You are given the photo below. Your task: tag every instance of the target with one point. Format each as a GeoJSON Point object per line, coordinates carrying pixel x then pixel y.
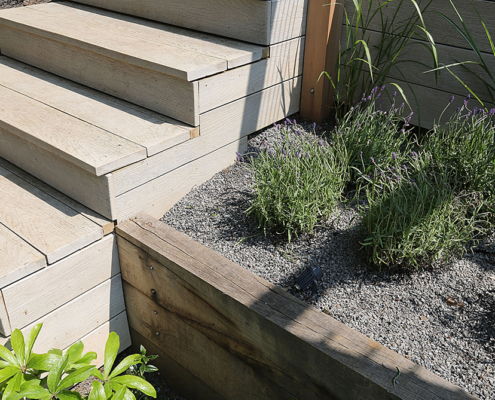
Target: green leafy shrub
{"type": "Point", "coordinates": [297, 181]}
{"type": "Point", "coordinates": [466, 145]}
{"type": "Point", "coordinates": [415, 216]}
{"type": "Point", "coordinates": [26, 375]}
{"type": "Point", "coordinates": [372, 135]}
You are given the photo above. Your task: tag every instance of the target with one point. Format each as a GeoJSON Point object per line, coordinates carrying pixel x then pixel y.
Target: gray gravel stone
{"type": "Point", "coordinates": [442, 318]}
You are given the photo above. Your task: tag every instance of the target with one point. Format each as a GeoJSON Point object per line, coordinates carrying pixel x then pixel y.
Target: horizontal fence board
{"type": "Point", "coordinates": [157, 196]}
{"type": "Point", "coordinates": [415, 73]}
{"type": "Point", "coordinates": [80, 185]}
{"type": "Point", "coordinates": [441, 30]}
{"type": "Point", "coordinates": [287, 343]}
{"type": "Point", "coordinates": [61, 282]}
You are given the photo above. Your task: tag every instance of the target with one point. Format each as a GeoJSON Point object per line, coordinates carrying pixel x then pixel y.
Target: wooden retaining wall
{"type": "Point", "coordinates": [223, 333]}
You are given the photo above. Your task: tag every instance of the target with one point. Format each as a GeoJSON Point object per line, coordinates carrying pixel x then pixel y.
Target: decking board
{"type": "Point", "coordinates": [17, 257]}
{"type": "Point", "coordinates": [161, 93]}
{"type": "Point", "coordinates": [61, 282]}
{"type": "Point", "coordinates": [106, 224]}
{"type": "Point", "coordinates": [93, 149]}
{"type": "Point", "coordinates": [143, 127]}
{"type": "Point", "coordinates": [5, 328]}
{"type": "Point", "coordinates": [48, 225]}
{"type": "Point", "coordinates": [94, 192]}
{"type": "Point", "coordinates": [234, 52]}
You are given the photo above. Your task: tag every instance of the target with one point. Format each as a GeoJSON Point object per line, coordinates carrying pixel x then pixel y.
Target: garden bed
{"type": "Point", "coordinates": [440, 318]}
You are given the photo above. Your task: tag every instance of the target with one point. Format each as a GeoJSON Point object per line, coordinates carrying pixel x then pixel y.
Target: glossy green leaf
{"type": "Point", "coordinates": [87, 358]}
{"type": "Point", "coordinates": [111, 351]}
{"type": "Point", "coordinates": [129, 395]}
{"type": "Point", "coordinates": [14, 385]}
{"type": "Point", "coordinates": [43, 362]}
{"type": "Point", "coordinates": [75, 352]}
{"type": "Point", "coordinates": [8, 372]}
{"type": "Point", "coordinates": [96, 373]}
{"type": "Point", "coordinates": [8, 356]}
{"type": "Point", "coordinates": [57, 352]}
{"type": "Point", "coordinates": [35, 393]}
{"type": "Point", "coordinates": [120, 394]}
{"type": "Point", "coordinates": [18, 345]}
{"type": "Point", "coordinates": [31, 338]}
{"type": "Point", "coordinates": [77, 376]}
{"type": "Point", "coordinates": [56, 373]}
{"type": "Point", "coordinates": [135, 382]}
{"type": "Point", "coordinates": [97, 392]}
{"type": "Point", "coordinates": [125, 364]}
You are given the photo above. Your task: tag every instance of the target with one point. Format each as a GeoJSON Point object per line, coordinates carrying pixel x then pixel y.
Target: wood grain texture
{"type": "Point", "coordinates": [93, 192]}
{"type": "Point", "coordinates": [321, 54]}
{"type": "Point", "coordinates": [202, 297]}
{"type": "Point", "coordinates": [5, 329]}
{"type": "Point", "coordinates": [135, 124]}
{"type": "Point", "coordinates": [97, 339]}
{"type": "Point", "coordinates": [284, 63]}
{"type": "Point", "coordinates": [159, 195]}
{"type": "Point", "coordinates": [174, 374]}
{"type": "Point", "coordinates": [214, 366]}
{"type": "Point", "coordinates": [79, 317]}
{"type": "Point", "coordinates": [254, 112]}
{"type": "Point", "coordinates": [235, 53]}
{"type": "Point", "coordinates": [18, 258]}
{"type": "Point", "coordinates": [251, 22]}
{"type": "Point", "coordinates": [93, 149]}
{"type": "Point", "coordinates": [164, 94]}
{"type": "Point", "coordinates": [61, 282]}
{"type": "Point", "coordinates": [219, 127]}
{"type": "Point", "coordinates": [288, 20]}
{"type": "Point", "coordinates": [441, 30]}
{"type": "Point", "coordinates": [105, 223]}
{"type": "Point", "coordinates": [158, 57]}
{"type": "Point", "coordinates": [48, 225]}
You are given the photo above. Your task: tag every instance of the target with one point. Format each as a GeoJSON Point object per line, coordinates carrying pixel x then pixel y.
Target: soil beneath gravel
{"type": "Point", "coordinates": [20, 3]}
{"type": "Point", "coordinates": [441, 318]}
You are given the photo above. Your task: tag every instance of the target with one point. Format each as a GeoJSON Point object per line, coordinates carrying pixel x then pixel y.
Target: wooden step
{"type": "Point", "coordinates": [256, 21]}
{"type": "Point", "coordinates": [147, 63]}
{"type": "Point", "coordinates": [40, 227]}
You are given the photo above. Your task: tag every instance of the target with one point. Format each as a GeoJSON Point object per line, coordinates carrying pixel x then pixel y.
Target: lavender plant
{"type": "Point", "coordinates": [415, 216]}
{"type": "Point", "coordinates": [298, 180]}
{"type": "Point", "coordinates": [466, 145]}
{"type": "Point", "coordinates": [372, 135]}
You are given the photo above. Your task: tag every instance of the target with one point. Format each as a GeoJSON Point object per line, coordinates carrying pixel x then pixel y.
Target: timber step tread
{"type": "Point", "coordinates": [178, 52]}
{"type": "Point", "coordinates": [90, 129]}
{"type": "Point", "coordinates": [38, 225]}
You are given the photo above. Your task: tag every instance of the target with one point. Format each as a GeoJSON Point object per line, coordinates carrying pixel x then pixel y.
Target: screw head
{"type": "Point", "coordinates": [312, 90]}
{"type": "Point", "coordinates": [158, 333]}
{"type": "Point", "coordinates": [156, 312]}
{"type": "Point", "coordinates": [151, 267]}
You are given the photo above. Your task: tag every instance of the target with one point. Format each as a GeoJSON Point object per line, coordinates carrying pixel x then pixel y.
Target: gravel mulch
{"type": "Point", "coordinates": [442, 319]}
{"type": "Point", "coordinates": [20, 3]}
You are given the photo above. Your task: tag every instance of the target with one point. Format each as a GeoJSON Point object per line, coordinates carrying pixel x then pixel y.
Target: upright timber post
{"type": "Point", "coordinates": [323, 33]}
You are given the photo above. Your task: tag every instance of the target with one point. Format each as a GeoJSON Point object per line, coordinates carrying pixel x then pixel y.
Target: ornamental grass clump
{"type": "Point", "coordinates": [298, 180]}
{"type": "Point", "coordinates": [415, 217]}
{"type": "Point", "coordinates": [372, 135]}
{"type": "Point", "coordinates": [466, 145]}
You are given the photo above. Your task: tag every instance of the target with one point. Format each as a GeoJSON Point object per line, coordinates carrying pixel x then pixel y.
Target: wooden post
{"type": "Point", "coordinates": [323, 33]}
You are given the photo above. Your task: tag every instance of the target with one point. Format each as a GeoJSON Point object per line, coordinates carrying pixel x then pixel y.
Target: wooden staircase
{"type": "Point", "coordinates": [105, 114]}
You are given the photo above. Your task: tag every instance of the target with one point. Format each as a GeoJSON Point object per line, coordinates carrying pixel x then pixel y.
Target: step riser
{"type": "Point", "coordinates": [162, 93]}
{"type": "Point", "coordinates": [94, 192]}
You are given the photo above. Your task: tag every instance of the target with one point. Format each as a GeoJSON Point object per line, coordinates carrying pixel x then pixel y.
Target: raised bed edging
{"type": "Point", "coordinates": [224, 333]}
